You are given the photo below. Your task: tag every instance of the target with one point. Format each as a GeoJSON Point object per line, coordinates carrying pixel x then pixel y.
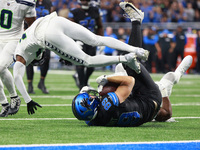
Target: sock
{"type": "Point", "coordinates": [6, 104]}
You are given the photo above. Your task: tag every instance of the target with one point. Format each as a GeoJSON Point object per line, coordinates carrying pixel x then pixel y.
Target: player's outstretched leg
{"type": "Point", "coordinates": [171, 78]}
{"type": "Point", "coordinates": [183, 67]}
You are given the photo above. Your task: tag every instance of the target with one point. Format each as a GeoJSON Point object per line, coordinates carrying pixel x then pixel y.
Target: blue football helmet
{"type": "Point", "coordinates": [84, 107]}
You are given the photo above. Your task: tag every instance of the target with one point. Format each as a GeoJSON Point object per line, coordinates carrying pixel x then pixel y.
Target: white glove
{"type": "Point", "coordinates": [86, 89]}
{"type": "Point", "coordinates": [100, 88]}
{"type": "Point", "coordinates": [102, 80]}
{"type": "Point", "coordinates": [80, 44]}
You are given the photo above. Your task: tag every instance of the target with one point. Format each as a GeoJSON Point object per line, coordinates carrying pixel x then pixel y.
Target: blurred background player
{"type": "Point", "coordinates": [180, 40]}
{"type": "Point", "coordinates": [150, 40]}
{"type": "Point", "coordinates": [13, 13]}
{"type": "Point", "coordinates": [88, 15]}
{"type": "Point", "coordinates": [43, 8]}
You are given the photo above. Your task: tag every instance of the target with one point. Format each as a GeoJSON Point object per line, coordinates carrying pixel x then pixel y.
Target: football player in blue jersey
{"type": "Point", "coordinates": [13, 13]}
{"type": "Point", "coordinates": [88, 15]}
{"type": "Point", "coordinates": [137, 99]}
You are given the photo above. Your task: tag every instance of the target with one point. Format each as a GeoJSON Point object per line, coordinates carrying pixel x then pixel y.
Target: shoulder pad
{"type": "Point", "coordinates": [30, 3]}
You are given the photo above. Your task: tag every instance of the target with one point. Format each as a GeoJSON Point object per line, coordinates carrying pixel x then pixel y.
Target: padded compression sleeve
{"type": "Point", "coordinates": [18, 72]}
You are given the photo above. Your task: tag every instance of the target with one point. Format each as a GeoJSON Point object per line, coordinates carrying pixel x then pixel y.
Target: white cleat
{"type": "Point", "coordinates": [131, 11]}
{"type": "Point", "coordinates": [142, 54]}
{"type": "Point", "coordinates": [183, 67]}
{"type": "Point", "coordinates": [132, 62]}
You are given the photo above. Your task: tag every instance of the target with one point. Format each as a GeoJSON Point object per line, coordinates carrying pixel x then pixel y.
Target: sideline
{"type": "Point", "coordinates": [168, 145]}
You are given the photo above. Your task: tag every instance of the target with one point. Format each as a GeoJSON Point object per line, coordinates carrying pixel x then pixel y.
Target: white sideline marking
{"type": "Point", "coordinates": [67, 97]}
{"type": "Point", "coordinates": [111, 143]}
{"type": "Point", "coordinates": [23, 119]}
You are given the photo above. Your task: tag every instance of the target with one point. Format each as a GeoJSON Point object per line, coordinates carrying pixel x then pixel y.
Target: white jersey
{"type": "Point", "coordinates": [13, 13]}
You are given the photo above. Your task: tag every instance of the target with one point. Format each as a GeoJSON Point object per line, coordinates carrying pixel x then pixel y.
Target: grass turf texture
{"type": "Point", "coordinates": [64, 128]}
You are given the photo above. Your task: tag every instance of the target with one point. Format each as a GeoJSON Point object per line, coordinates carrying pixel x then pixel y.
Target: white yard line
{"type": "Point", "coordinates": [58, 105]}
{"type": "Point", "coordinates": [23, 119]}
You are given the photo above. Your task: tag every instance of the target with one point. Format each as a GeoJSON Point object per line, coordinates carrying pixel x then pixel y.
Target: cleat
{"type": "Point", "coordinates": [5, 111]}
{"type": "Point", "coordinates": [14, 105]}
{"type": "Point", "coordinates": [183, 67]}
{"type": "Point", "coordinates": [131, 11]}
{"type": "Point", "coordinates": [142, 54]}
{"type": "Point", "coordinates": [30, 89]}
{"type": "Point", "coordinates": [75, 76]}
{"type": "Point", "coordinates": [132, 62]}
{"type": "Point", "coordinates": [42, 87]}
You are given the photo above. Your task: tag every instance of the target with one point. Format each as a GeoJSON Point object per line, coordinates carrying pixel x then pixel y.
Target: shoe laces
{"type": "Point", "coordinates": [14, 101]}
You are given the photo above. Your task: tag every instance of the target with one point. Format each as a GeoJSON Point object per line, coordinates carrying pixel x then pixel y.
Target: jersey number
{"type": "Point", "coordinates": [90, 24]}
{"type": "Point", "coordinates": [106, 104]}
{"type": "Point", "coordinates": [6, 18]}
{"type": "Point", "coordinates": [129, 118]}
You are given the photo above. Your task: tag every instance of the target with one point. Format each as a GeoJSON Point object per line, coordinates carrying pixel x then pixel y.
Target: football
{"type": "Point", "coordinates": [109, 87]}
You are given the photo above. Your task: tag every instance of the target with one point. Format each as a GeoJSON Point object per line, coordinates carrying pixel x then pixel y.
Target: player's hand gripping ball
{"type": "Point", "coordinates": [108, 87]}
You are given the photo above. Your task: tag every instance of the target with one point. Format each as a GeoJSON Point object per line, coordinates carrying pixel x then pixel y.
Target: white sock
{"type": "Point", "coordinates": [8, 81]}
{"type": "Point", "coordinates": [3, 99]}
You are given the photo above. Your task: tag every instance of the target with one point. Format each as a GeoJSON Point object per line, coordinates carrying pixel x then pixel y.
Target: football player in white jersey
{"type": "Point", "coordinates": [13, 14]}
{"type": "Point", "coordinates": [58, 34]}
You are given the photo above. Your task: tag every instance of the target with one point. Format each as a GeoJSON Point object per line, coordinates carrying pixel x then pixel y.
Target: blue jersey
{"type": "Point", "coordinates": [87, 18]}
{"type": "Point", "coordinates": [113, 113]}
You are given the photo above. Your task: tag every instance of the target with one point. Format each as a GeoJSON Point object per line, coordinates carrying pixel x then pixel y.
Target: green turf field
{"type": "Point", "coordinates": [55, 123]}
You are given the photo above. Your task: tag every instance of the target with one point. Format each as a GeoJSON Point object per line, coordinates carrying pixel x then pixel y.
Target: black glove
{"type": "Point", "coordinates": [31, 106]}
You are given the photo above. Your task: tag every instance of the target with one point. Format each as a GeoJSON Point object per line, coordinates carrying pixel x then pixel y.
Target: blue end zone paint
{"type": "Point", "coordinates": [124, 146]}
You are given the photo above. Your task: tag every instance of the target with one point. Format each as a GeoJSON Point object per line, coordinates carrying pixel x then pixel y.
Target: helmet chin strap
{"type": "Point", "coordinates": [85, 7]}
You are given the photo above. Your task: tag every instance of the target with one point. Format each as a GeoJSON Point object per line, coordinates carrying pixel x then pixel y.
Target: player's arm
{"type": "Point", "coordinates": [125, 87]}
{"type": "Point", "coordinates": [99, 26]}
{"type": "Point", "coordinates": [165, 111]}
{"type": "Point", "coordinates": [30, 20]}
{"type": "Point", "coordinates": [18, 72]}
{"type": "Point", "coordinates": [125, 83]}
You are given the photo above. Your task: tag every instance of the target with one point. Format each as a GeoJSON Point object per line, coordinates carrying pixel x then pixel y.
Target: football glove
{"type": "Point", "coordinates": [85, 89]}
{"type": "Point", "coordinates": [31, 106]}
{"type": "Point", "coordinates": [102, 80]}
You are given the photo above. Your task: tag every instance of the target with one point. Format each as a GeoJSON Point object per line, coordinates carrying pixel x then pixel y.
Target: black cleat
{"type": "Point", "coordinates": [14, 105]}
{"type": "Point", "coordinates": [30, 89]}
{"type": "Point", "coordinates": [42, 87]}
{"type": "Point", "coordinates": [5, 111]}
